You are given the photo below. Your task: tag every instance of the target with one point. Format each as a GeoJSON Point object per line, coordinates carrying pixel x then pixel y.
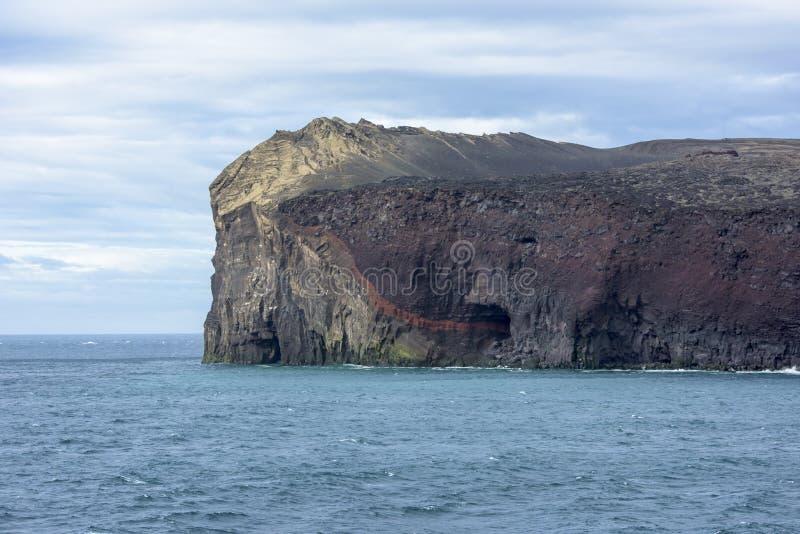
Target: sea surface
{"type": "Point", "coordinates": [133, 434]}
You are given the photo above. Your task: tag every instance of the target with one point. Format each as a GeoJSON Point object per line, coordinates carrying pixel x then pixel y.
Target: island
{"type": "Point", "coordinates": [354, 243]}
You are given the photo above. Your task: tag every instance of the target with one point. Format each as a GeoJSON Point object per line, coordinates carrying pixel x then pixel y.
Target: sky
{"type": "Point", "coordinates": [115, 116]}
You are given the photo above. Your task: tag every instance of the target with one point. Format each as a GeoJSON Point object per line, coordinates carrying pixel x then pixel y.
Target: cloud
{"type": "Point", "coordinates": [76, 287]}
{"type": "Point", "coordinates": [769, 122]}
{"type": "Point", "coordinates": [769, 82]}
{"type": "Point", "coordinates": [48, 264]}
{"type": "Point", "coordinates": [115, 117]}
{"type": "Point", "coordinates": [85, 258]}
{"type": "Point", "coordinates": [554, 126]}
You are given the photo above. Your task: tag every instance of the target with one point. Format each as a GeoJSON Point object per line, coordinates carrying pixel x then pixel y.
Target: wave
{"type": "Point", "coordinates": [129, 480]}
{"type": "Point", "coordinates": [786, 371]}
{"type": "Point", "coordinates": [681, 371]}
{"type": "Point", "coordinates": [89, 343]}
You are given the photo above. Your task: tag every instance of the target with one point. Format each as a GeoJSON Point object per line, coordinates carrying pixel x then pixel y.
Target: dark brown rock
{"type": "Point", "coordinates": [691, 262]}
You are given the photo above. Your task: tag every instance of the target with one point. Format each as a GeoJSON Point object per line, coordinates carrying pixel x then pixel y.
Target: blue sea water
{"type": "Point", "coordinates": [133, 434]}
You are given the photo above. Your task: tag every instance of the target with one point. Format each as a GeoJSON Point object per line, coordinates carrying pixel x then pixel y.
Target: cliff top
{"type": "Point", "coordinates": [330, 153]}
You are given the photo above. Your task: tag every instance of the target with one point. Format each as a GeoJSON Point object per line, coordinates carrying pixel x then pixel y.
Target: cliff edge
{"type": "Point", "coordinates": [355, 243]}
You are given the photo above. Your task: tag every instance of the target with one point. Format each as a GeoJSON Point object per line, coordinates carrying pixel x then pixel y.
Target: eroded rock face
{"type": "Point", "coordinates": [691, 262]}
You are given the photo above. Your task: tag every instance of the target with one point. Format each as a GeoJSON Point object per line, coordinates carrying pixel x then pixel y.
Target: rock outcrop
{"type": "Point", "coordinates": [354, 243]}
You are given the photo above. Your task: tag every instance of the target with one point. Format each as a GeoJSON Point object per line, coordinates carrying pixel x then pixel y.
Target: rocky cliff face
{"type": "Point", "coordinates": [506, 250]}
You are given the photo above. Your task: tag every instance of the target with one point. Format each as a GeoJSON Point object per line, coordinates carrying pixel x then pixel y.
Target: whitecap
{"type": "Point", "coordinates": [646, 370]}
{"type": "Point", "coordinates": [89, 343]}
{"type": "Point", "coordinates": [786, 371]}
{"type": "Point", "coordinates": [679, 371]}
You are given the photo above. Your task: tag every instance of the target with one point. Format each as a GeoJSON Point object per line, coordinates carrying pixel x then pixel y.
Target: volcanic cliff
{"type": "Point", "coordinates": [355, 243]}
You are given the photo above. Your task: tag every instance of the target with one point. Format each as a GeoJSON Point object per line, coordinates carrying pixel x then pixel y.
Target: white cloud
{"type": "Point", "coordinates": [768, 122]}
{"type": "Point", "coordinates": [114, 117]}
{"type": "Point", "coordinates": [769, 82]}
{"type": "Point", "coordinates": [46, 258]}
{"type": "Point", "coordinates": [158, 59]}
{"type": "Point", "coordinates": [567, 127]}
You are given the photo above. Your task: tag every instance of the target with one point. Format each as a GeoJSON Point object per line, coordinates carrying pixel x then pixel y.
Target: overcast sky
{"type": "Point", "coordinates": [114, 120]}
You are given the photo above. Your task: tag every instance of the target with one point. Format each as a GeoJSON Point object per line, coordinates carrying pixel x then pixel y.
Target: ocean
{"type": "Point", "coordinates": [132, 434]}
